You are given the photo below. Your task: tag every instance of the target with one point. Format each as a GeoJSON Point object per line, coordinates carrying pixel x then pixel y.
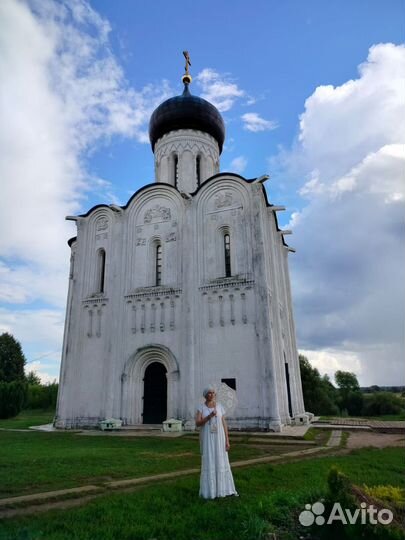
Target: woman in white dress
{"type": "Point", "coordinates": [216, 476]}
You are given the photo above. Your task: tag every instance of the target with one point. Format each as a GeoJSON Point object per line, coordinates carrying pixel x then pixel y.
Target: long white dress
{"type": "Point", "coordinates": [216, 476]}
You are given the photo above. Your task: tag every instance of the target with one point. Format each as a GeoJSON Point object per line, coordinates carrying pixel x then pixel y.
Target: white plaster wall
{"type": "Point", "coordinates": [187, 145]}
{"type": "Point", "coordinates": [203, 326]}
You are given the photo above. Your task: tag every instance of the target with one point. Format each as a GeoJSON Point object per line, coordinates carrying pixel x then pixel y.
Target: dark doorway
{"type": "Point", "coordinates": [287, 378]}
{"type": "Point", "coordinates": [155, 394]}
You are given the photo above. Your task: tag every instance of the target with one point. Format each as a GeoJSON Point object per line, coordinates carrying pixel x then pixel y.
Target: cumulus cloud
{"type": "Point", "coordinates": [238, 164]}
{"type": "Point", "coordinates": [218, 89]}
{"type": "Point", "coordinates": [328, 361]}
{"type": "Point", "coordinates": [348, 270]}
{"type": "Point", "coordinates": [42, 370]}
{"type": "Point", "coordinates": [63, 94]}
{"type": "Point", "coordinates": [253, 122]}
{"type": "Point", "coordinates": [35, 326]}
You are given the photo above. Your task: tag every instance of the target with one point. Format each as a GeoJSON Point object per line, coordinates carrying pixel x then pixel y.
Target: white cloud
{"type": "Point", "coordinates": [34, 326]}
{"type": "Point", "coordinates": [63, 95]}
{"type": "Point", "coordinates": [253, 122]}
{"type": "Point", "coordinates": [360, 115]}
{"type": "Point", "coordinates": [348, 270]}
{"type": "Point", "coordinates": [328, 361]}
{"type": "Point", "coordinates": [40, 332]}
{"type": "Point", "coordinates": [238, 164]}
{"type": "Point", "coordinates": [218, 89]}
{"type": "Point", "coordinates": [42, 370]}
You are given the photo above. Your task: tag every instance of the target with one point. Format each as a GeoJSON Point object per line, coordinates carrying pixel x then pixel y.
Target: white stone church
{"type": "Point", "coordinates": [185, 285]}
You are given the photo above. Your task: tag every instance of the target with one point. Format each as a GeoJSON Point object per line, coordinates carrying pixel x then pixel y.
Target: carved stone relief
{"type": "Point", "coordinates": [171, 237]}
{"type": "Point", "coordinates": [94, 319]}
{"type": "Point", "coordinates": [156, 214]}
{"type": "Point", "coordinates": [225, 309]}
{"type": "Point", "coordinates": [102, 224]}
{"type": "Point", "coordinates": [222, 200]}
{"type": "Point", "coordinates": [150, 315]}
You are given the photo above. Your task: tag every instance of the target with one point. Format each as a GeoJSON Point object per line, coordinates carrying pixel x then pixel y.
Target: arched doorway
{"type": "Point", "coordinates": [133, 383]}
{"type": "Point", "coordinates": [155, 394]}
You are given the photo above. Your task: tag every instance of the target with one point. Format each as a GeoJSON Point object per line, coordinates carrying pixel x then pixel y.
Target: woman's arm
{"type": "Point", "coordinates": [227, 445]}
{"type": "Point", "coordinates": [200, 420]}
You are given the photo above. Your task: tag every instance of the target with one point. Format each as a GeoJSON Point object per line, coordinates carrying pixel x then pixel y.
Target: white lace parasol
{"type": "Point", "coordinates": [226, 396]}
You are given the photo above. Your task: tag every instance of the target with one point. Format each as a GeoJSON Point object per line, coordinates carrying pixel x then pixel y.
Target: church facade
{"type": "Point", "coordinates": [186, 285]}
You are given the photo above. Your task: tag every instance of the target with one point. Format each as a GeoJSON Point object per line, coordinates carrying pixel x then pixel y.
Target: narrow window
{"type": "Point", "coordinates": [227, 253]}
{"type": "Point", "coordinates": [176, 170]}
{"type": "Point", "coordinates": [158, 262]}
{"type": "Point", "coordinates": [287, 380]}
{"type": "Point", "coordinates": [198, 169]}
{"type": "Point", "coordinates": [100, 270]}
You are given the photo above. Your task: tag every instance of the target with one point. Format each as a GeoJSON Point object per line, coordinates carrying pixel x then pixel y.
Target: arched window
{"type": "Point", "coordinates": [198, 169]}
{"type": "Point", "coordinates": [100, 271]}
{"type": "Point", "coordinates": [158, 265]}
{"type": "Point", "coordinates": [227, 254]}
{"type": "Point", "coordinates": [176, 169]}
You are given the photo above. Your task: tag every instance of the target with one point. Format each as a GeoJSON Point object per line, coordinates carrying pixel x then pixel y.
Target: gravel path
{"type": "Point", "coordinates": [361, 439]}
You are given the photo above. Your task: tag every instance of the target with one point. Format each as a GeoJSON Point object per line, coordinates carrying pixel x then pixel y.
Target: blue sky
{"type": "Point", "coordinates": [311, 93]}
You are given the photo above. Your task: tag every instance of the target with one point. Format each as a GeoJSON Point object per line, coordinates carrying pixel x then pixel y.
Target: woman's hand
{"type": "Point", "coordinates": [227, 446]}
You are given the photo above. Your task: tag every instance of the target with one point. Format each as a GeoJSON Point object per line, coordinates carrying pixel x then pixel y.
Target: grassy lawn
{"type": "Point", "coordinates": [49, 461]}
{"type": "Point", "coordinates": [27, 419]}
{"type": "Point", "coordinates": [271, 497]}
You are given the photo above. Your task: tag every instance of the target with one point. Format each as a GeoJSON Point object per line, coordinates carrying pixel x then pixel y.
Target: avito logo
{"type": "Point", "coordinates": [366, 514]}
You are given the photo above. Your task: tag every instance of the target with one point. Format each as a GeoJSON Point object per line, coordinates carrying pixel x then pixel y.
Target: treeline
{"type": "Point", "coordinates": [375, 388]}
{"type": "Point", "coordinates": [321, 397]}
{"type": "Point", "coordinates": [18, 390]}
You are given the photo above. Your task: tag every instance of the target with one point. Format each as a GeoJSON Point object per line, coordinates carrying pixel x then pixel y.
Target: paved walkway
{"type": "Point", "coordinates": [137, 431]}
{"type": "Point", "coordinates": [335, 438]}
{"type": "Point", "coordinates": [46, 501]}
{"type": "Point", "coordinates": [362, 424]}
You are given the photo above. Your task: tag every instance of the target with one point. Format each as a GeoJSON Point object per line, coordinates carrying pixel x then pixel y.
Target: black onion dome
{"type": "Point", "coordinates": [186, 112]}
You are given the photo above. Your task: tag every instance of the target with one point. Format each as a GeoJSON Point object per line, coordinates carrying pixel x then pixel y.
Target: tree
{"type": "Point", "coordinates": [12, 359]}
{"type": "Point", "coordinates": [319, 393]}
{"type": "Point", "coordinates": [350, 397]}
{"type": "Point", "coordinates": [33, 379]}
{"type": "Point", "coordinates": [382, 403]}
{"type": "Point", "coordinates": [347, 381]}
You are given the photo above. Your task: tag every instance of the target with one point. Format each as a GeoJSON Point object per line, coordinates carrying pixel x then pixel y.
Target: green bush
{"type": "Point", "coordinates": [42, 396]}
{"type": "Point", "coordinates": [382, 403]}
{"type": "Point", "coordinates": [353, 403]}
{"type": "Point", "coordinates": [12, 398]}
{"type": "Point", "coordinates": [340, 491]}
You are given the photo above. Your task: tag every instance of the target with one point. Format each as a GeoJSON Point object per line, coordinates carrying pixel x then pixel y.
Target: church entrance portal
{"type": "Point", "coordinates": [155, 394]}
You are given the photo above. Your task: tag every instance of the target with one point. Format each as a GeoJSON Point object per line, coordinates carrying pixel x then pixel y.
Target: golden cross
{"type": "Point", "coordinates": [188, 63]}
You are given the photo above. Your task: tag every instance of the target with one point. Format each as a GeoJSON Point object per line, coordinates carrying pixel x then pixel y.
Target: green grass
{"type": "Point", "coordinates": [271, 497]}
{"type": "Point", "coordinates": [49, 461]}
{"type": "Point", "coordinates": [28, 418]}
{"type": "Point", "coordinates": [319, 435]}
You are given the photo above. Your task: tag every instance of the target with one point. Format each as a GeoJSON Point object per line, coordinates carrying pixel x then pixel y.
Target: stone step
{"type": "Point", "coordinates": [142, 427]}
